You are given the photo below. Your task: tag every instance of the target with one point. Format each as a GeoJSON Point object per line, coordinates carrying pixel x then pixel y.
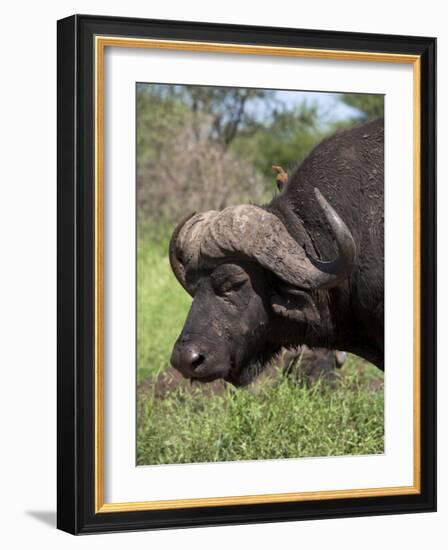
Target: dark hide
{"type": "Point", "coordinates": [348, 168]}
{"type": "Point", "coordinates": [243, 315]}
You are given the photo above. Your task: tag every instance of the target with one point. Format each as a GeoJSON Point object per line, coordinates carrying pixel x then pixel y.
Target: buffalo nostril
{"type": "Point", "coordinates": [186, 358]}
{"type": "Point", "coordinates": [197, 360]}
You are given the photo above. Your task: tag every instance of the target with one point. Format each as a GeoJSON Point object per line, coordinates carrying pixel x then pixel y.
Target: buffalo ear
{"type": "Point", "coordinates": [295, 305]}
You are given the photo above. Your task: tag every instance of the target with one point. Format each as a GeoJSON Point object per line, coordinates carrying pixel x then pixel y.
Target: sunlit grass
{"type": "Point", "coordinates": [162, 305]}
{"type": "Point", "coordinates": [278, 420]}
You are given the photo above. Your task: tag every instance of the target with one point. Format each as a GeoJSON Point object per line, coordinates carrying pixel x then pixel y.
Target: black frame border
{"type": "Point", "coordinates": [75, 272]}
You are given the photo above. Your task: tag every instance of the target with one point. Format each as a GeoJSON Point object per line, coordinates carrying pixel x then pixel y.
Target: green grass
{"type": "Point", "coordinates": [162, 306]}
{"type": "Point", "coordinates": [274, 418]}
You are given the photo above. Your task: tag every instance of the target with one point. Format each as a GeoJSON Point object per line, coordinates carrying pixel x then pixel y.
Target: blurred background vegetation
{"type": "Point", "coordinates": [202, 148]}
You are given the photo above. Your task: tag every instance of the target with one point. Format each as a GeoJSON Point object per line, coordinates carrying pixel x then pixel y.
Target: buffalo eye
{"type": "Point", "coordinates": [231, 285]}
{"type": "Point", "coordinates": [225, 281]}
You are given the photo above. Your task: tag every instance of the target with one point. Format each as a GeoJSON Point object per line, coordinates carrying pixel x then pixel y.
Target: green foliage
{"type": "Point", "coordinates": [285, 140]}
{"type": "Point", "coordinates": [276, 420]}
{"type": "Point", "coordinates": [219, 113]}
{"type": "Point", "coordinates": [228, 109]}
{"type": "Point", "coordinates": [159, 118]}
{"type": "Point", "coordinates": [184, 163]}
{"type": "Point", "coordinates": [183, 130]}
{"type": "Point", "coordinates": [368, 105]}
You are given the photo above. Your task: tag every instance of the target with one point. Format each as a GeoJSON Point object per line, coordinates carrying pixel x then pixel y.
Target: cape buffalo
{"type": "Point", "coordinates": [308, 268]}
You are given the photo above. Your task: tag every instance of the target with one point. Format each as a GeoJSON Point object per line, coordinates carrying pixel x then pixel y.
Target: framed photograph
{"type": "Point", "coordinates": [246, 274]}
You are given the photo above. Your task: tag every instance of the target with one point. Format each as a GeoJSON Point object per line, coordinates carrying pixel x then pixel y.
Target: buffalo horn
{"type": "Point", "coordinates": [253, 233]}
{"type": "Point", "coordinates": [176, 265]}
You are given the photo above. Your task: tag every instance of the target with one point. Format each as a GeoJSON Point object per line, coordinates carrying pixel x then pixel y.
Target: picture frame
{"type": "Point", "coordinates": [82, 42]}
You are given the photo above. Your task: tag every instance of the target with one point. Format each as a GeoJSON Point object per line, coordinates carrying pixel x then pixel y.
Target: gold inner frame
{"type": "Point", "coordinates": [101, 42]}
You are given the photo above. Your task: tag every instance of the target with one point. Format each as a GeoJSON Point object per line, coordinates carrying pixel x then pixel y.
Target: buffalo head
{"type": "Point", "coordinates": [251, 284]}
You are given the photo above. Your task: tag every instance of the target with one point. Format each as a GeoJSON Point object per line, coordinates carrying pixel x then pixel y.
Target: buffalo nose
{"type": "Point", "coordinates": [186, 358]}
